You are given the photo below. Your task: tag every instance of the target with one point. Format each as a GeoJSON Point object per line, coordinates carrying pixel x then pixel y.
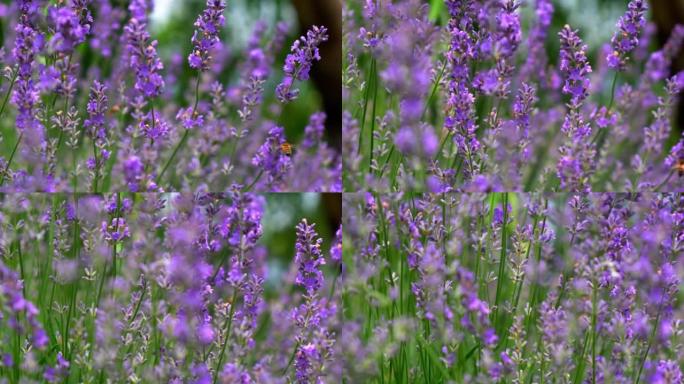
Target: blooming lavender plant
{"type": "Point", "coordinates": [626, 37]}
{"type": "Point", "coordinates": [512, 287]}
{"type": "Point", "coordinates": [298, 63]}
{"type": "Point", "coordinates": [138, 130]}
{"type": "Point", "coordinates": [162, 288]}
{"type": "Point", "coordinates": [452, 122]}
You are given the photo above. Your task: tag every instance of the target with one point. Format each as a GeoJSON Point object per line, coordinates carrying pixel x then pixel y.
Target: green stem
{"type": "Point", "coordinates": [185, 134]}
{"type": "Point", "coordinates": [612, 92]}
{"type": "Point", "coordinates": [227, 327]}
{"type": "Point", "coordinates": [261, 172]}
{"type": "Point", "coordinates": [372, 131]}
{"type": "Point", "coordinates": [365, 105]}
{"type": "Point", "coordinates": [502, 259]}
{"type": "Point", "coordinates": [579, 372]}
{"type": "Point", "coordinates": [441, 146]}
{"type": "Point", "coordinates": [175, 151]}
{"type": "Point", "coordinates": [594, 303]}
{"type": "Point", "coordinates": [9, 162]}
{"type": "Point", "coordinates": [434, 89]}
{"type": "Point", "coordinates": [97, 169]}
{"type": "Point", "coordinates": [137, 308]}
{"type": "Point", "coordinates": [650, 342]}
{"type": "Point", "coordinates": [21, 267]}
{"type": "Point", "coordinates": [9, 91]}
{"type": "Point", "coordinates": [289, 362]}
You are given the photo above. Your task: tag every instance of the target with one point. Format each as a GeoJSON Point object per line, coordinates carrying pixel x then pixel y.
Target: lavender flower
{"type": "Point", "coordinates": [116, 231]}
{"type": "Point", "coordinates": [69, 30]}
{"type": "Point", "coordinates": [15, 305]}
{"type": "Point", "coordinates": [574, 65]}
{"type": "Point", "coordinates": [575, 155]}
{"type": "Point", "coordinates": [206, 36]}
{"type": "Point", "coordinates": [461, 101]}
{"type": "Point", "coordinates": [59, 372]}
{"type": "Point", "coordinates": [314, 339]}
{"type": "Point", "coordinates": [626, 37]}
{"type": "Point", "coordinates": [108, 21]}
{"type": "Point", "coordinates": [304, 52]}
{"type": "Point", "coordinates": [96, 107]}
{"type": "Point", "coordinates": [142, 53]}
{"type": "Point", "coordinates": [537, 59]}
{"type": "Point", "coordinates": [657, 66]}
{"type": "Point", "coordinates": [28, 43]}
{"type": "Point", "coordinates": [308, 257]}
{"type": "Point", "coordinates": [522, 109]}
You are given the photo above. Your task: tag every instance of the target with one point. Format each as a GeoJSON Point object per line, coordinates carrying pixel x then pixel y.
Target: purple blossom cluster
{"type": "Point", "coordinates": [94, 103]}
{"type": "Point", "coordinates": [206, 36]}
{"type": "Point", "coordinates": [174, 288]}
{"type": "Point", "coordinates": [458, 96]}
{"type": "Point", "coordinates": [298, 63]}
{"type": "Point", "coordinates": [506, 287]}
{"type": "Point", "coordinates": [626, 37]}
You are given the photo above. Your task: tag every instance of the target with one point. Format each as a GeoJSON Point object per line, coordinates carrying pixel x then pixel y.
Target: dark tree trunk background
{"type": "Point", "coordinates": [667, 14]}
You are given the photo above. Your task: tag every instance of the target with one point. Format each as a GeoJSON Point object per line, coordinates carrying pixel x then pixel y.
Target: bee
{"type": "Point", "coordinates": [114, 109]}
{"type": "Point", "coordinates": [679, 167]}
{"type": "Point", "coordinates": [287, 148]}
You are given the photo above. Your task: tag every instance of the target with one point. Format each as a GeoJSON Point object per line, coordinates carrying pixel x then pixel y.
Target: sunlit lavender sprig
{"type": "Point", "coordinates": [28, 43]}
{"type": "Point", "coordinates": [573, 166]}
{"type": "Point", "coordinates": [626, 36]}
{"type": "Point", "coordinates": [95, 126]}
{"type": "Point", "coordinates": [314, 339]}
{"type": "Point", "coordinates": [142, 52]}
{"type": "Point", "coordinates": [304, 52]}
{"type": "Point", "coordinates": [206, 36]}
{"type": "Point", "coordinates": [460, 102]}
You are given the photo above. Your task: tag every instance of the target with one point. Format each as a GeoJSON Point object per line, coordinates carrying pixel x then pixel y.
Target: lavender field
{"type": "Point", "coordinates": [481, 96]}
{"type": "Point", "coordinates": [173, 288]}
{"type": "Point", "coordinates": [513, 288]}
{"type": "Point", "coordinates": [342, 191]}
{"type": "Point", "coordinates": [90, 105]}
